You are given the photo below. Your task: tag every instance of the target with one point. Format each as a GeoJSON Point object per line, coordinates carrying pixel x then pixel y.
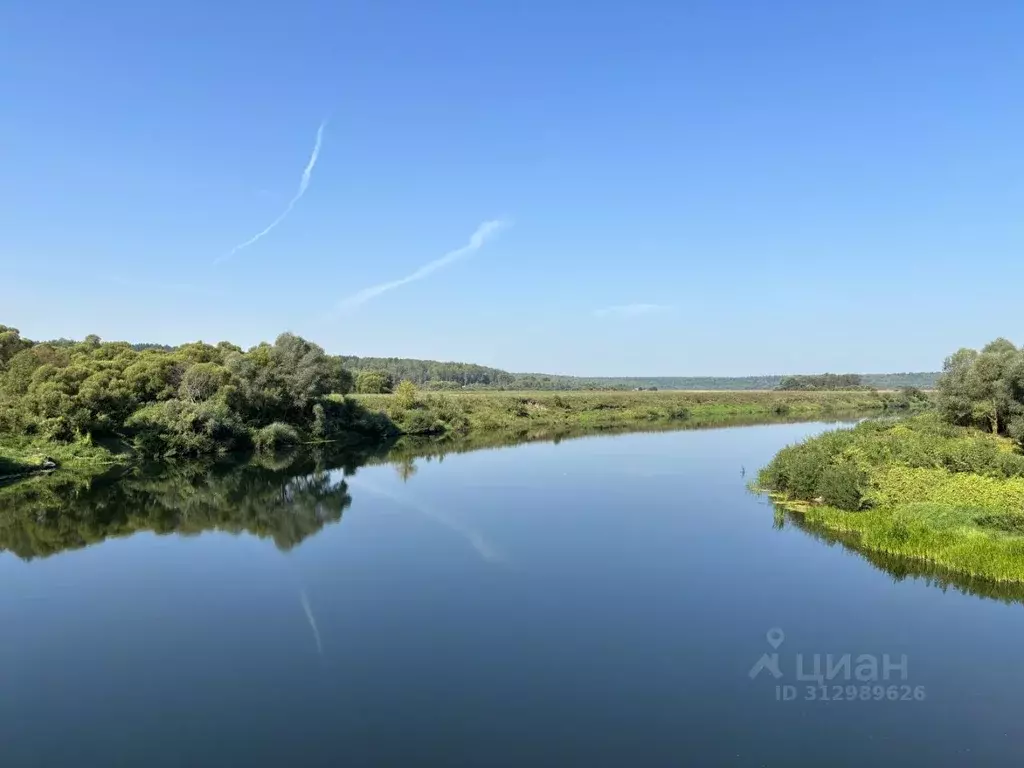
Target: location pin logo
{"type": "Point", "coordinates": [775, 637]}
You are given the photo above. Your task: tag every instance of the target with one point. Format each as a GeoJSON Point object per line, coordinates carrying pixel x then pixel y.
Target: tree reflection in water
{"type": "Point", "coordinates": [286, 498]}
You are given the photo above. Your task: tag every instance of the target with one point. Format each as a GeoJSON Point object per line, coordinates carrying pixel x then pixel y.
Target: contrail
{"type": "Point", "coordinates": [303, 185]}
{"type": "Point", "coordinates": [312, 621]}
{"type": "Point", "coordinates": [478, 238]}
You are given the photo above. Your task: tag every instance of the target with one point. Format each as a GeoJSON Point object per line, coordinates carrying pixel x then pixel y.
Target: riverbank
{"type": "Point", "coordinates": [22, 456]}
{"type": "Point", "coordinates": [501, 417]}
{"type": "Point", "coordinates": [469, 413]}
{"type": "Point", "coordinates": [921, 489]}
{"type": "Point", "coordinates": [286, 495]}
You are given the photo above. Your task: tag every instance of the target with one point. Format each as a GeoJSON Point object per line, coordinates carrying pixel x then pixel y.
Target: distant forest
{"type": "Point", "coordinates": [432, 374]}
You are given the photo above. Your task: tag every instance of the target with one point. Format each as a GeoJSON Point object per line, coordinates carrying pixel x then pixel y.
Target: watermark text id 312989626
{"type": "Point", "coordinates": [830, 677]}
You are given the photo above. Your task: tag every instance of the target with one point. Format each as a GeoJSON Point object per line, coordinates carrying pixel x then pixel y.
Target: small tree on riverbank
{"type": "Point", "coordinates": [985, 389]}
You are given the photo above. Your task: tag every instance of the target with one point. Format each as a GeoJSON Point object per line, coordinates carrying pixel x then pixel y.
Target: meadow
{"type": "Point", "coordinates": [486, 412]}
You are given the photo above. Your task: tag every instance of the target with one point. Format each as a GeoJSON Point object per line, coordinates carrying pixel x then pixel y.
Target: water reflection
{"type": "Point", "coordinates": [289, 497]}
{"type": "Point", "coordinates": [473, 537]}
{"type": "Point", "coordinates": [901, 568]}
{"type": "Point", "coordinates": [285, 498]}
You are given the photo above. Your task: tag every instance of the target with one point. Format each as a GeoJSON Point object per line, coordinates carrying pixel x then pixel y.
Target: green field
{"type": "Point", "coordinates": [469, 413]}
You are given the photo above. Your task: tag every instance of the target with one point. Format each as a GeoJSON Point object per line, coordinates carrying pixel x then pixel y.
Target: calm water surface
{"type": "Point", "coordinates": [597, 602]}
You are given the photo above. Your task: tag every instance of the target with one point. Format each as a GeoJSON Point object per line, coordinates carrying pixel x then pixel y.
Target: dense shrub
{"type": "Point", "coordinates": [275, 436]}
{"type": "Point", "coordinates": [449, 413]}
{"type": "Point", "coordinates": [842, 485]}
{"type": "Point", "coordinates": [202, 381]}
{"type": "Point", "coordinates": [175, 427]}
{"type": "Point", "coordinates": [374, 382]}
{"type": "Point", "coordinates": [419, 421]}
{"type": "Point", "coordinates": [193, 399]}
{"type": "Point", "coordinates": [406, 394]}
{"type": "Point", "coordinates": [835, 465]}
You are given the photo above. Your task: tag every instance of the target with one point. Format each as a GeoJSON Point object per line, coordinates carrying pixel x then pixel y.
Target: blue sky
{"type": "Point", "coordinates": [664, 187]}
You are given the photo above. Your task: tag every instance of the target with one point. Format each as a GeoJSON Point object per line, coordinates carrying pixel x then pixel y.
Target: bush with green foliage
{"type": "Point", "coordinates": [193, 399]}
{"type": "Point", "coordinates": [374, 382]}
{"type": "Point", "coordinates": [406, 393]}
{"type": "Point", "coordinates": [920, 488]}
{"type": "Point", "coordinates": [274, 437]}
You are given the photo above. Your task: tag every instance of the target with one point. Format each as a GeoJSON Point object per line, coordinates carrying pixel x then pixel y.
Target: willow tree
{"type": "Point", "coordinates": [985, 389]}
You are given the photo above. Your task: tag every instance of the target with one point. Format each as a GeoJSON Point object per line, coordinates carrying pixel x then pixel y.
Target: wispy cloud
{"type": "Point", "coordinates": [474, 538]}
{"type": "Point", "coordinates": [483, 233]}
{"type": "Point", "coordinates": [303, 186]}
{"type": "Point", "coordinates": [633, 310]}
{"type": "Point", "coordinates": [312, 621]}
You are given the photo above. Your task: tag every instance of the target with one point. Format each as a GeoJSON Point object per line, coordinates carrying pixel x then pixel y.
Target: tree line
{"type": "Point", "coordinates": [430, 374]}
{"type": "Point", "coordinates": [823, 382]}
{"type": "Point", "coordinates": [427, 372]}
{"type": "Point", "coordinates": [192, 399]}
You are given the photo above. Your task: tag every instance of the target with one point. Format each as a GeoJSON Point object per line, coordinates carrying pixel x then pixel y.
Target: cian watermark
{"type": "Point", "coordinates": [835, 677]}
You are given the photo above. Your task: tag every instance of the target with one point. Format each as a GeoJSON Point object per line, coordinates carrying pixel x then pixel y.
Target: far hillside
{"type": "Point", "coordinates": [449, 375]}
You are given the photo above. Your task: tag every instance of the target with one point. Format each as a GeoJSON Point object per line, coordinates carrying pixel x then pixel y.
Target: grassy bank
{"type": "Point", "coordinates": [412, 447]}
{"type": "Point", "coordinates": [20, 456]}
{"type": "Point", "coordinates": [471, 413]}
{"type": "Point", "coordinates": [491, 418]}
{"type": "Point", "coordinates": [947, 496]}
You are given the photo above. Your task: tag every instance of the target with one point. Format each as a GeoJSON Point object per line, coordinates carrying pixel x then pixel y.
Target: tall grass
{"type": "Point", "coordinates": [921, 489]}
{"type": "Point", "coordinates": [20, 455]}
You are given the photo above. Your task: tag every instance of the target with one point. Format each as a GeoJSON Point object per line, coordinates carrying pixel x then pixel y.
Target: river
{"type": "Point", "coordinates": [619, 601]}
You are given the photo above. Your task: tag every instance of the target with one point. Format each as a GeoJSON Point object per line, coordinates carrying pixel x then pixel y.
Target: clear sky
{"type": "Point", "coordinates": [656, 187]}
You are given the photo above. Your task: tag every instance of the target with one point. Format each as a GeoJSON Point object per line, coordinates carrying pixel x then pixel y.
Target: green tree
{"type": "Point", "coordinates": [984, 389]}
{"type": "Point", "coordinates": [202, 381]}
{"type": "Point", "coordinates": [406, 393]}
{"type": "Point", "coordinates": [193, 399]}
{"type": "Point", "coordinates": [374, 382]}
{"type": "Point", "coordinates": [11, 344]}
{"type": "Point", "coordinates": [282, 381]}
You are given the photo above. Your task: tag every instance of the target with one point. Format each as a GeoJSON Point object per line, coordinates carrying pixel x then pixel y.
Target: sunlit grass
{"type": "Point", "coordinates": [946, 496]}
{"type": "Point", "coordinates": [20, 455]}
